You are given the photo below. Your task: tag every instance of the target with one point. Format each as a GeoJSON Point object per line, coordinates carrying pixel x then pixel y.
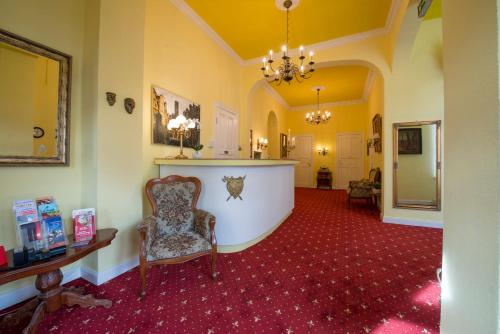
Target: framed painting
{"type": "Point", "coordinates": [166, 105]}
{"type": "Point", "coordinates": [410, 141]}
{"type": "Point", "coordinates": [377, 132]}
{"type": "Point", "coordinates": [283, 146]}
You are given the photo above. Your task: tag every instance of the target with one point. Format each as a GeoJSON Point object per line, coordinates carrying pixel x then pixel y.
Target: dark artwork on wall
{"type": "Point", "coordinates": [377, 132]}
{"type": "Point", "coordinates": [283, 146]}
{"type": "Point", "coordinates": [165, 106]}
{"type": "Point", "coordinates": [410, 141]}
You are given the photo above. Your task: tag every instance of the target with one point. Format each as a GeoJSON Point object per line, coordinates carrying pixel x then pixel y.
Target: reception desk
{"type": "Point", "coordinates": [266, 200]}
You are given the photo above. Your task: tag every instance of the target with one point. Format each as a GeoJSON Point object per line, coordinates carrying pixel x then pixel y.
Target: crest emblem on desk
{"type": "Point", "coordinates": [234, 186]}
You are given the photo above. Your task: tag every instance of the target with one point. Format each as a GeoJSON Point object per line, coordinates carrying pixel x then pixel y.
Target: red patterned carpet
{"type": "Point", "coordinates": [327, 269]}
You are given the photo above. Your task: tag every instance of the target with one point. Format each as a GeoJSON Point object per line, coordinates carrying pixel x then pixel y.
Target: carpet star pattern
{"type": "Point", "coordinates": [326, 269]}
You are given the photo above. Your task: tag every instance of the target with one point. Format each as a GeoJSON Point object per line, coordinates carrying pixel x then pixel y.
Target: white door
{"type": "Point", "coordinates": [350, 161]}
{"type": "Point", "coordinates": [226, 134]}
{"type": "Point", "coordinates": [303, 153]}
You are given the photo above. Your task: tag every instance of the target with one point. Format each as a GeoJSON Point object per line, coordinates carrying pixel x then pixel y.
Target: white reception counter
{"type": "Point", "coordinates": [267, 196]}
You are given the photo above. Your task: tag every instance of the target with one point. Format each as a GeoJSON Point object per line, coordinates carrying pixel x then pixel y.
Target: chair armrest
{"type": "Point", "coordinates": [147, 231]}
{"type": "Point", "coordinates": [204, 224]}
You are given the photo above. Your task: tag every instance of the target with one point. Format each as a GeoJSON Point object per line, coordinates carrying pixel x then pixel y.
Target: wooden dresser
{"type": "Point", "coordinates": [324, 179]}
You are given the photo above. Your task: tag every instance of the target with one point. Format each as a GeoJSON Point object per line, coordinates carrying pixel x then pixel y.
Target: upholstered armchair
{"type": "Point", "coordinates": [363, 188]}
{"type": "Point", "coordinates": [177, 231]}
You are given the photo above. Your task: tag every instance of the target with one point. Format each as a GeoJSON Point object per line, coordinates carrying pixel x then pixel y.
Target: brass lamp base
{"type": "Point", "coordinates": [181, 156]}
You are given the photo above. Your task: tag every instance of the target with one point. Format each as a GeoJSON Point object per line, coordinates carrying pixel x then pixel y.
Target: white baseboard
{"type": "Point", "coordinates": [98, 278]}
{"type": "Point", "coordinates": [13, 297]}
{"type": "Point", "coordinates": [413, 222]}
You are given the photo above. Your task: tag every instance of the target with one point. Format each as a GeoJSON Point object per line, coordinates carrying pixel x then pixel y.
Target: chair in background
{"type": "Point", "coordinates": [363, 189]}
{"type": "Point", "coordinates": [177, 231]}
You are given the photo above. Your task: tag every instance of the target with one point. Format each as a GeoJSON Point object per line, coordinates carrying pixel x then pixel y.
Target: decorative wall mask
{"type": "Point", "coordinates": [111, 98]}
{"type": "Point", "coordinates": [129, 105]}
{"type": "Point", "coordinates": [234, 186]}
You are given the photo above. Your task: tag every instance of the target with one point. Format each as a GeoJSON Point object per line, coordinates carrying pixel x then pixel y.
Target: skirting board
{"type": "Point", "coordinates": [413, 222]}
{"type": "Point", "coordinates": [97, 278]}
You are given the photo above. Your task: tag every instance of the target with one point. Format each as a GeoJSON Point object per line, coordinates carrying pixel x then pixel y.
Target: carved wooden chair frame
{"type": "Point", "coordinates": [143, 229]}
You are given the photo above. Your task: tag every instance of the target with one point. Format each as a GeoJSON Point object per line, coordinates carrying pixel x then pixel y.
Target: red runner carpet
{"type": "Point", "coordinates": [327, 269]}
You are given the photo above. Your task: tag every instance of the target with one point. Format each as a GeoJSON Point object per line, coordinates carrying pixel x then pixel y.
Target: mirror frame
{"type": "Point", "coordinates": [63, 109]}
{"type": "Point", "coordinates": [395, 165]}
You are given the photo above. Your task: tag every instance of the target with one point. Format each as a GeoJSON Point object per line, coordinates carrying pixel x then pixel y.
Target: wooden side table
{"type": "Point", "coordinates": [324, 179]}
{"type": "Point", "coordinates": [48, 281]}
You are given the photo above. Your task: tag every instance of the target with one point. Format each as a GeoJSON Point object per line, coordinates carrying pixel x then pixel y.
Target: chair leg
{"type": "Point", "coordinates": [143, 269]}
{"type": "Point", "coordinates": [213, 262]}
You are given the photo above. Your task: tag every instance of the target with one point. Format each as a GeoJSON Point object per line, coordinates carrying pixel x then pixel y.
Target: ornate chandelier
{"type": "Point", "coordinates": [287, 70]}
{"type": "Point", "coordinates": [318, 117]}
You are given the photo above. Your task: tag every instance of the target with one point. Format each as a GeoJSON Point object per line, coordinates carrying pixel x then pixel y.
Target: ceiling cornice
{"type": "Point", "coordinates": [186, 9]}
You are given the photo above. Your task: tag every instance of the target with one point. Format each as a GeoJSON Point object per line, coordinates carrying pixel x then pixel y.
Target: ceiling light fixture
{"type": "Point", "coordinates": [318, 117]}
{"type": "Point", "coordinates": [287, 70]}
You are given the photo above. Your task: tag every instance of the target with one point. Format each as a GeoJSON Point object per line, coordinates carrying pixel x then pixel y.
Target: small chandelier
{"type": "Point", "coordinates": [318, 117]}
{"type": "Point", "coordinates": [287, 70]}
{"type": "Point", "coordinates": [180, 128]}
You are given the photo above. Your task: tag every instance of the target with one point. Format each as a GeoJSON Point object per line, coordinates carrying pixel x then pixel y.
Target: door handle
{"type": "Point", "coordinates": [226, 152]}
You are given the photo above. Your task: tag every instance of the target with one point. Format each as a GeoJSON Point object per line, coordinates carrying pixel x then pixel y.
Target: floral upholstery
{"type": "Point", "coordinates": [177, 230]}
{"type": "Point", "coordinates": [175, 245]}
{"type": "Point", "coordinates": [363, 188]}
{"type": "Point", "coordinates": [174, 202]}
{"type": "Point", "coordinates": [202, 223]}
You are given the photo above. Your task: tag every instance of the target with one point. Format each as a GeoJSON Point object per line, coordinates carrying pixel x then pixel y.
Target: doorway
{"type": "Point", "coordinates": [226, 133]}
{"type": "Point", "coordinates": [350, 163]}
{"type": "Point", "coordinates": [303, 153]}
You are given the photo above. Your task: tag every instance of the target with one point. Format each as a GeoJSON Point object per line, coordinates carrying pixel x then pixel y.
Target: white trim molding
{"type": "Point", "coordinates": [274, 94]}
{"type": "Point", "coordinates": [186, 9]}
{"type": "Point", "coordinates": [413, 222]}
{"type": "Point", "coordinates": [100, 277]}
{"type": "Point", "coordinates": [16, 296]}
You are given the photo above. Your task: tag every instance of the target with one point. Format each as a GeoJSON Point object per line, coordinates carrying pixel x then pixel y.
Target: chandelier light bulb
{"type": "Point", "coordinates": [287, 69]}
{"type": "Point", "coordinates": [181, 119]}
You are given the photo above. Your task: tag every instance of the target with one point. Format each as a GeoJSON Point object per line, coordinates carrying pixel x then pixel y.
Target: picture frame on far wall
{"type": "Point", "coordinates": [377, 132]}
{"type": "Point", "coordinates": [410, 141]}
{"type": "Point", "coordinates": [166, 105]}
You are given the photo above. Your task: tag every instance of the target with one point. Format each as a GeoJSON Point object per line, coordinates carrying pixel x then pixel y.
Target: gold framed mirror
{"type": "Point", "coordinates": [35, 90]}
{"type": "Point", "coordinates": [417, 165]}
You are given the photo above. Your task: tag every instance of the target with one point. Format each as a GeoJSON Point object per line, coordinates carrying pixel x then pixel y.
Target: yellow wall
{"type": "Point", "coordinates": [351, 118]}
{"type": "Point", "coordinates": [471, 205]}
{"type": "Point", "coordinates": [417, 172]}
{"type": "Point", "coordinates": [376, 106]}
{"type": "Point", "coordinates": [60, 27]}
{"type": "Point", "coordinates": [17, 100]}
{"type": "Point", "coordinates": [46, 111]}
{"type": "Point", "coordinates": [414, 92]}
{"type": "Point", "coordinates": [261, 103]}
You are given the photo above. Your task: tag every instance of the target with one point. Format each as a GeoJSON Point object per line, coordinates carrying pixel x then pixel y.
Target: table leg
{"type": "Point", "coordinates": [19, 317]}
{"type": "Point", "coordinates": [77, 298]}
{"type": "Point", "coordinates": [36, 319]}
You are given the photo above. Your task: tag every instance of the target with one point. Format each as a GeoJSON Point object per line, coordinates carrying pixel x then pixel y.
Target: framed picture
{"type": "Point", "coordinates": [166, 105]}
{"type": "Point", "coordinates": [251, 144]}
{"type": "Point", "coordinates": [377, 132]}
{"type": "Point", "coordinates": [410, 141]}
{"type": "Point", "coordinates": [283, 146]}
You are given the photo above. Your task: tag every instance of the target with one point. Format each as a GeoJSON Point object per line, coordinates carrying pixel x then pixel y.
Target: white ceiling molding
{"type": "Point", "coordinates": [311, 107]}
{"type": "Point", "coordinates": [275, 95]}
{"type": "Point", "coordinates": [186, 9]}
{"type": "Point", "coordinates": [368, 84]}
{"type": "Point", "coordinates": [391, 17]}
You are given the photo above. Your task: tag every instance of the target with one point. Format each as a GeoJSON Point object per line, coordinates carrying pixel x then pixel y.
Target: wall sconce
{"type": "Point", "coordinates": [323, 151]}
{"type": "Point", "coordinates": [262, 143]}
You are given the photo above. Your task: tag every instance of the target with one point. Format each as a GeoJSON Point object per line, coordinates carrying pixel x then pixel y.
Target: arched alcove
{"type": "Point", "coordinates": [272, 136]}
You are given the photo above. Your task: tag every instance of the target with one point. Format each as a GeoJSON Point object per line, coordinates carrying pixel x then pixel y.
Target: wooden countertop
{"type": "Point", "coordinates": [224, 162]}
